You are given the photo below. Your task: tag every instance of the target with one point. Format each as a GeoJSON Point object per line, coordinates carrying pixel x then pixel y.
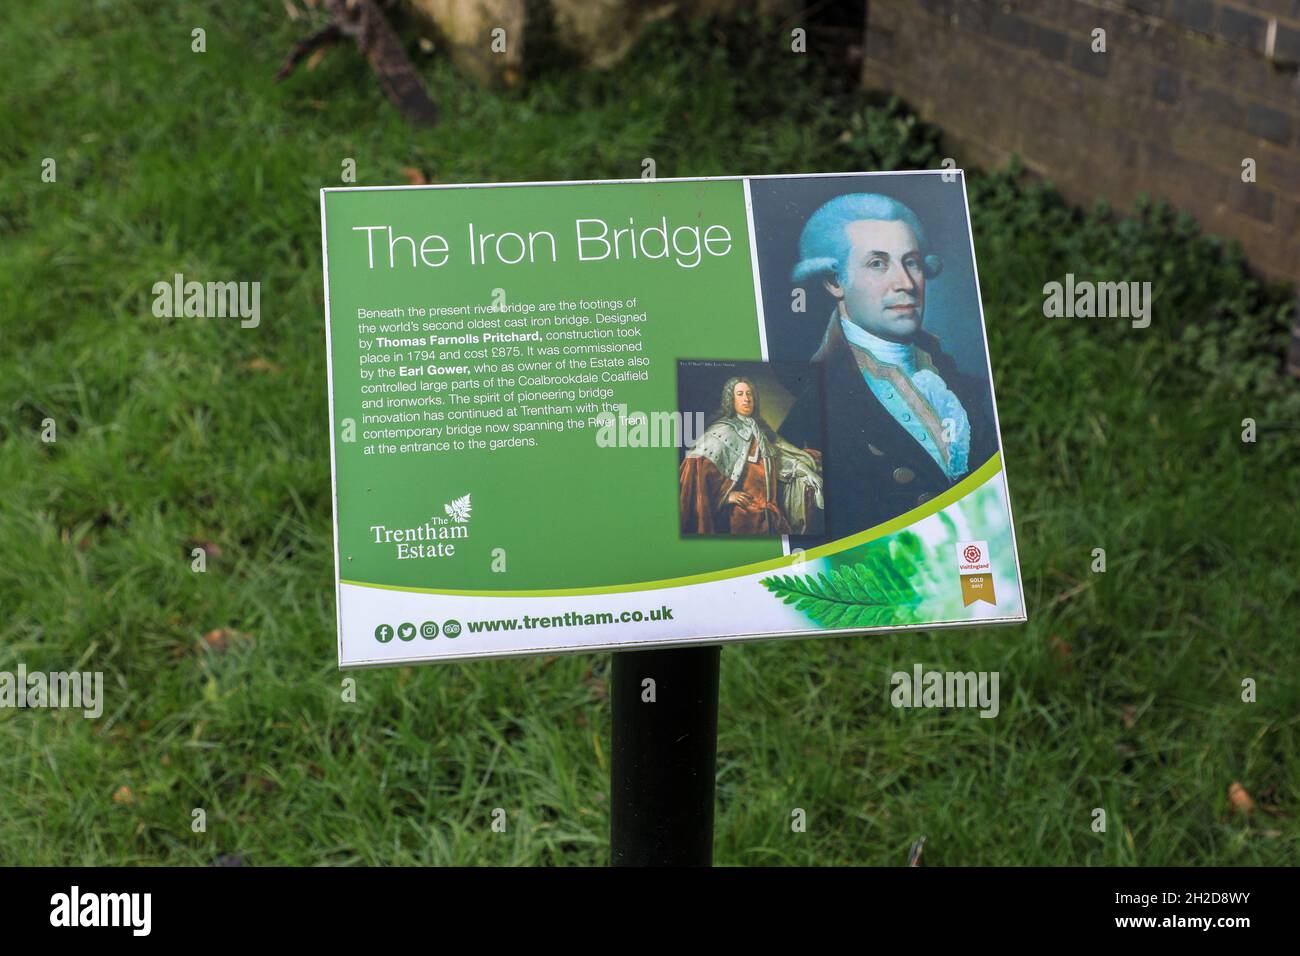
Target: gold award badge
{"type": "Point", "coordinates": [975, 571]}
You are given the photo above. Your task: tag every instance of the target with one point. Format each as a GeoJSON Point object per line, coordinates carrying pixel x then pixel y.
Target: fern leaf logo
{"type": "Point", "coordinates": [458, 510]}
{"type": "Point", "coordinates": [871, 593]}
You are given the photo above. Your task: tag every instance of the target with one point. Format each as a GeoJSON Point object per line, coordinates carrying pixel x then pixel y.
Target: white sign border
{"type": "Point", "coordinates": [678, 642]}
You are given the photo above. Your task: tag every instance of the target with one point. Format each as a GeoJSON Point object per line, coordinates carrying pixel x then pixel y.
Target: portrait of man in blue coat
{"type": "Point", "coordinates": [902, 424]}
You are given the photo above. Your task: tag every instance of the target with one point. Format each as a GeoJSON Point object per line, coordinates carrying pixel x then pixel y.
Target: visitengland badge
{"type": "Point", "coordinates": [976, 572]}
{"type": "Point", "coordinates": [649, 413]}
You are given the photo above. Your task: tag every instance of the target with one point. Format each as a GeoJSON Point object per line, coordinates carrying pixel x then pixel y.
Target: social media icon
{"type": "Point", "coordinates": [429, 630]}
{"type": "Point", "coordinates": [451, 628]}
{"type": "Point", "coordinates": [406, 632]}
{"type": "Point", "coordinates": [383, 633]}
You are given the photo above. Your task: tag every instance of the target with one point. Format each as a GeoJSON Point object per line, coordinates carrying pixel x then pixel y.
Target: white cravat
{"type": "Point", "coordinates": [891, 353]}
{"type": "Point", "coordinates": [932, 388]}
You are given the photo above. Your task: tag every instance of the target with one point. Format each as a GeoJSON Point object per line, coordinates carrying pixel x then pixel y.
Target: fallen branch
{"type": "Point", "coordinates": [324, 37]}
{"type": "Point", "coordinates": [364, 22]}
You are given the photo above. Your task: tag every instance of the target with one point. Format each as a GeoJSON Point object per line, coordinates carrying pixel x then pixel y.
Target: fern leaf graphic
{"type": "Point", "coordinates": [459, 509]}
{"type": "Point", "coordinates": [868, 594]}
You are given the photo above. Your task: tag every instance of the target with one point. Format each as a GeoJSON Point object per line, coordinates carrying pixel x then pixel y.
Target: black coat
{"type": "Point", "coordinates": [873, 470]}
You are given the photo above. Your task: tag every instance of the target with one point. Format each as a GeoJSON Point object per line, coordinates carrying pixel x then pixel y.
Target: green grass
{"type": "Point", "coordinates": [1122, 692]}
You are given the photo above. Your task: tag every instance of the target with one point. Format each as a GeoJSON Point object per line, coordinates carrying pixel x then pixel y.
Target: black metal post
{"type": "Point", "coordinates": [663, 756]}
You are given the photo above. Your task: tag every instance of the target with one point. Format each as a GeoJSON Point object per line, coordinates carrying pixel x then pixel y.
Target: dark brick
{"type": "Point", "coordinates": [1286, 46]}
{"type": "Point", "coordinates": [1270, 124]}
{"type": "Point", "coordinates": [1125, 150]}
{"type": "Point", "coordinates": [1083, 59]}
{"type": "Point", "coordinates": [1167, 86]}
{"type": "Point", "coordinates": [1277, 8]}
{"type": "Point", "coordinates": [1250, 199]}
{"type": "Point", "coordinates": [1050, 43]}
{"type": "Point", "coordinates": [881, 46]}
{"type": "Point", "coordinates": [1184, 177]}
{"type": "Point", "coordinates": [1011, 29]}
{"type": "Point", "coordinates": [940, 8]}
{"type": "Point", "coordinates": [973, 14]}
{"type": "Point", "coordinates": [963, 81]}
{"type": "Point", "coordinates": [1220, 107]}
{"type": "Point", "coordinates": [1224, 64]}
{"type": "Point", "coordinates": [1243, 29]}
{"type": "Point", "coordinates": [1279, 170]}
{"type": "Point", "coordinates": [1288, 218]}
{"type": "Point", "coordinates": [1193, 14]}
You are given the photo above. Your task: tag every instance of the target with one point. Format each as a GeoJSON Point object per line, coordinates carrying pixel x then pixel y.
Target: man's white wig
{"type": "Point", "coordinates": [825, 246]}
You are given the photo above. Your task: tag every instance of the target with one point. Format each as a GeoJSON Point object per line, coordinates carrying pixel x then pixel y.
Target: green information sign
{"type": "Point", "coordinates": [648, 413]}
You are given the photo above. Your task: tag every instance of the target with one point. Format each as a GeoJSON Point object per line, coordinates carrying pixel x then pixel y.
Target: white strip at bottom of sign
{"type": "Point", "coordinates": [382, 626]}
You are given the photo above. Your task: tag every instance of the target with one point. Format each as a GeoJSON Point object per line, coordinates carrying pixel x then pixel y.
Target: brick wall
{"type": "Point", "coordinates": [1186, 90]}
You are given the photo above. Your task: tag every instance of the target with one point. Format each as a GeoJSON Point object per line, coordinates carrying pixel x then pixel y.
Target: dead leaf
{"type": "Point", "coordinates": [260, 364]}
{"type": "Point", "coordinates": [318, 54]}
{"type": "Point", "coordinates": [1130, 716]}
{"type": "Point", "coordinates": [1239, 799]}
{"type": "Point", "coordinates": [123, 795]}
{"type": "Point", "coordinates": [414, 176]}
{"type": "Point", "coordinates": [220, 639]}
{"type": "Point", "coordinates": [426, 45]}
{"type": "Point", "coordinates": [1062, 651]}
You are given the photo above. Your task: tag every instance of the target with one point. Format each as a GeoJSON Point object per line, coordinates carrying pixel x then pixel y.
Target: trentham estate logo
{"type": "Point", "coordinates": [433, 539]}
{"type": "Point", "coordinates": [458, 510]}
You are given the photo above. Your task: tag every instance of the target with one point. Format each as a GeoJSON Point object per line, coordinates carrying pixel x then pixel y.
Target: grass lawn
{"type": "Point", "coordinates": [1123, 691]}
